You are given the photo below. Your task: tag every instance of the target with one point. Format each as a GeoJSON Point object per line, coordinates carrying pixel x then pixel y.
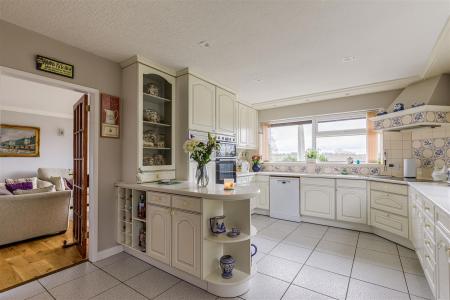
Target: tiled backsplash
{"type": "Point", "coordinates": [323, 168]}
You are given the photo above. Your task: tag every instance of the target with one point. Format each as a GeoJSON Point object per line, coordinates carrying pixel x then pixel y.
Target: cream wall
{"type": "Point", "coordinates": [18, 49]}
{"type": "Point", "coordinates": [339, 105]}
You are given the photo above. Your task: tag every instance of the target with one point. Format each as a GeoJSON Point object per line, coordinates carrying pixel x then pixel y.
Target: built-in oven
{"type": "Point", "coordinates": [226, 158]}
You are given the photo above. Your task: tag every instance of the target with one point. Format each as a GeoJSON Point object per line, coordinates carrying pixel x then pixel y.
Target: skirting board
{"type": "Point", "coordinates": [107, 253]}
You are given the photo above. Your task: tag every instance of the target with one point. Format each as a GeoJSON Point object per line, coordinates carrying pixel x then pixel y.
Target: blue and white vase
{"type": "Point", "coordinates": [227, 263]}
{"type": "Point", "coordinates": [256, 167]}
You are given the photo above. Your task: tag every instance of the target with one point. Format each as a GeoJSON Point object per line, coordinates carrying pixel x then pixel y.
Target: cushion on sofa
{"type": "Point", "coordinates": [27, 185]}
{"type": "Point", "coordinates": [3, 190]}
{"type": "Point", "coordinates": [68, 183]}
{"type": "Point", "coordinates": [33, 180]}
{"type": "Point", "coordinates": [58, 182]}
{"type": "Point", "coordinates": [35, 191]}
{"type": "Point", "coordinates": [43, 184]}
{"type": "Point", "coordinates": [46, 173]}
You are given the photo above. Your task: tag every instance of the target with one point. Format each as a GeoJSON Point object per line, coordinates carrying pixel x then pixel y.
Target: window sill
{"type": "Point", "coordinates": [321, 163]}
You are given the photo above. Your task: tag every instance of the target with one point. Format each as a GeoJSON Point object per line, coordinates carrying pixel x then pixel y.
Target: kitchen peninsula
{"type": "Point", "coordinates": [174, 232]}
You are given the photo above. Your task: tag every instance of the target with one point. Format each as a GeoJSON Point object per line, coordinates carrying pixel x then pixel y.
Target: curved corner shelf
{"type": "Point", "coordinates": [224, 239]}
{"type": "Point", "coordinates": [138, 219]}
{"type": "Point", "coordinates": [156, 124]}
{"type": "Point", "coordinates": [238, 277]}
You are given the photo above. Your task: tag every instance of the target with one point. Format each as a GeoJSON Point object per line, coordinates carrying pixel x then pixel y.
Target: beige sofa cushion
{"type": "Point", "coordinates": [35, 191]}
{"type": "Point", "coordinates": [58, 182]}
{"type": "Point", "coordinates": [30, 179]}
{"type": "Point", "coordinates": [43, 184]}
{"type": "Point", "coordinates": [47, 173]}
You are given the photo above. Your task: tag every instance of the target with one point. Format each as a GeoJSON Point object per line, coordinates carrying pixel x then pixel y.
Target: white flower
{"type": "Point", "coordinates": [190, 145]}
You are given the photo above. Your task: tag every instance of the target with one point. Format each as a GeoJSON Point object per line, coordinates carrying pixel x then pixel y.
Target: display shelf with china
{"type": "Point", "coordinates": [148, 127]}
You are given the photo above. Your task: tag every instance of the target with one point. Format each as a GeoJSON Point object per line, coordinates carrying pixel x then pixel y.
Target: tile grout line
{"type": "Point", "coordinates": [303, 265]}
{"type": "Point", "coordinates": [51, 295]}
{"type": "Point", "coordinates": [353, 263]}
{"type": "Point", "coordinates": [403, 271]}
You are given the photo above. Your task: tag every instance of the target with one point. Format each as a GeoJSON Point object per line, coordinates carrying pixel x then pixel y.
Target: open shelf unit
{"type": "Point", "coordinates": [125, 216]}
{"type": "Point", "coordinates": [237, 214]}
{"type": "Point", "coordinates": [139, 223]}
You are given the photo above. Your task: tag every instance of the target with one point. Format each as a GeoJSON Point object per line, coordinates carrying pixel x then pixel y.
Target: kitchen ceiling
{"type": "Point", "coordinates": [263, 50]}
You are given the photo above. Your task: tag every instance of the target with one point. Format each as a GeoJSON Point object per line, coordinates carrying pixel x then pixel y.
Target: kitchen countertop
{"type": "Point", "coordinates": [185, 188]}
{"type": "Point", "coordinates": [438, 193]}
{"type": "Point", "coordinates": [387, 179]}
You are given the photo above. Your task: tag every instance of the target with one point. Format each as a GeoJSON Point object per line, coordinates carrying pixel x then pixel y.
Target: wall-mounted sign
{"type": "Point", "coordinates": [54, 66]}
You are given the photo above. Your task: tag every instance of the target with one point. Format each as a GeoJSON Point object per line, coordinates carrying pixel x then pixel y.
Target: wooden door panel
{"type": "Point", "coordinates": [80, 173]}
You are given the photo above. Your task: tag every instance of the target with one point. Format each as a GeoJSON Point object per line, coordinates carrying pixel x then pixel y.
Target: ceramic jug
{"type": "Point", "coordinates": [111, 116]}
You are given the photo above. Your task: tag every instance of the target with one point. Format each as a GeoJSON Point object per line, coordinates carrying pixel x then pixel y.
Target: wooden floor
{"type": "Point", "coordinates": [25, 261]}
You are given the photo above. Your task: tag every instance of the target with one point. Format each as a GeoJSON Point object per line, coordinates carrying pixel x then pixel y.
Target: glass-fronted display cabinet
{"type": "Point", "coordinates": [148, 124]}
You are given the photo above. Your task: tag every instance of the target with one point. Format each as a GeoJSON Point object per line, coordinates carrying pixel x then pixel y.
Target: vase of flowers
{"type": "Point", "coordinates": [256, 159]}
{"type": "Point", "coordinates": [201, 153]}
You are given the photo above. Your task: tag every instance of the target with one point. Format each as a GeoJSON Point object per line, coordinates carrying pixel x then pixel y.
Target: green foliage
{"type": "Point", "coordinates": [201, 152]}
{"type": "Point", "coordinates": [311, 154]}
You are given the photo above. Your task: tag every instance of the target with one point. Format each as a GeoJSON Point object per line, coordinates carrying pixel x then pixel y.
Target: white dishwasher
{"type": "Point", "coordinates": [285, 198]}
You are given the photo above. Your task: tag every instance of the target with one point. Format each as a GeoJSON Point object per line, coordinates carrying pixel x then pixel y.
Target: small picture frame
{"type": "Point", "coordinates": [110, 116]}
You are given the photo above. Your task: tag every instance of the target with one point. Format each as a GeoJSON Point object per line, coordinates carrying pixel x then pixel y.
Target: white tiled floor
{"type": "Point", "coordinates": [295, 261]}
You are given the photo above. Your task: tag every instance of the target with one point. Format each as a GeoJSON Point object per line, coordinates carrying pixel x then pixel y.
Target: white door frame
{"type": "Point", "coordinates": [94, 133]}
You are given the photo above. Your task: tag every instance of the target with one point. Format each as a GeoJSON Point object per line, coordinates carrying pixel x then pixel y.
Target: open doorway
{"type": "Point", "coordinates": [44, 167]}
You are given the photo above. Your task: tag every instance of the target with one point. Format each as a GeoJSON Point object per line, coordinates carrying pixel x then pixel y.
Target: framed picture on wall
{"type": "Point", "coordinates": [110, 116]}
{"type": "Point", "coordinates": [19, 141]}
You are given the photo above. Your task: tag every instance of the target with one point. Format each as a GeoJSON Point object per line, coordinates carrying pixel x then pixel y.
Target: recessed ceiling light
{"type": "Point", "coordinates": [204, 44]}
{"type": "Point", "coordinates": [348, 59]}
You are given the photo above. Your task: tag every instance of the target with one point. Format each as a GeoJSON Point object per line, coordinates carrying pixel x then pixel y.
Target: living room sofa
{"type": "Point", "coordinates": [33, 215]}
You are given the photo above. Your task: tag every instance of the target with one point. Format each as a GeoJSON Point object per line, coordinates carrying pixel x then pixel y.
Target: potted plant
{"type": "Point", "coordinates": [256, 159]}
{"type": "Point", "coordinates": [322, 157]}
{"type": "Point", "coordinates": [311, 155]}
{"type": "Point", "coordinates": [201, 153]}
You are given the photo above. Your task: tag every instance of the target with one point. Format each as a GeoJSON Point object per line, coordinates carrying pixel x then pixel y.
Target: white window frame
{"type": "Point", "coordinates": [315, 120]}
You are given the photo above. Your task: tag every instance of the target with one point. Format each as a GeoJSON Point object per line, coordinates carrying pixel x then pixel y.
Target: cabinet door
{"type": "Point", "coordinates": [158, 233]}
{"type": "Point", "coordinates": [317, 201]}
{"type": "Point", "coordinates": [186, 242]}
{"type": "Point", "coordinates": [442, 265]}
{"type": "Point", "coordinates": [242, 126]}
{"type": "Point", "coordinates": [351, 205]}
{"type": "Point", "coordinates": [262, 200]}
{"type": "Point", "coordinates": [202, 105]}
{"type": "Point", "coordinates": [225, 102]}
{"type": "Point", "coordinates": [252, 135]}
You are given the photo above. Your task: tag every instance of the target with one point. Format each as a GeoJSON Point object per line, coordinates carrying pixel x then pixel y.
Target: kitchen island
{"type": "Point", "coordinates": [168, 226]}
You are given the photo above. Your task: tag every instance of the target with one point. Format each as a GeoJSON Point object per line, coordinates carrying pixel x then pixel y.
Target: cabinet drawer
{"type": "Point", "coordinates": [317, 181]}
{"type": "Point", "coordinates": [429, 269]}
{"type": "Point", "coordinates": [389, 202]}
{"type": "Point", "coordinates": [429, 245]}
{"type": "Point", "coordinates": [262, 178]}
{"type": "Point", "coordinates": [351, 183]}
{"type": "Point", "coordinates": [442, 220]}
{"type": "Point", "coordinates": [389, 222]}
{"type": "Point", "coordinates": [187, 203]}
{"type": "Point", "coordinates": [428, 208]}
{"type": "Point", "coordinates": [158, 198]}
{"type": "Point", "coordinates": [389, 188]}
{"type": "Point", "coordinates": [428, 226]}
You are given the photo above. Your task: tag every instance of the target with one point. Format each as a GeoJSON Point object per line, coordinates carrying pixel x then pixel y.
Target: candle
{"type": "Point", "coordinates": [228, 184]}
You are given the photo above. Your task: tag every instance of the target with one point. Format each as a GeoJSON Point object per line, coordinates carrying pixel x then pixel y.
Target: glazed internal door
{"type": "Point", "coordinates": [80, 173]}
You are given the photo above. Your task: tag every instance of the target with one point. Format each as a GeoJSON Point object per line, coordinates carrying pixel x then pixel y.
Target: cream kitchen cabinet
{"type": "Point", "coordinates": [186, 242]}
{"type": "Point", "coordinates": [351, 205]}
{"type": "Point", "coordinates": [225, 118]}
{"type": "Point", "coordinates": [159, 233]}
{"type": "Point", "coordinates": [442, 255]}
{"type": "Point", "coordinates": [202, 104]}
{"type": "Point", "coordinates": [263, 199]}
{"type": "Point", "coordinates": [247, 131]}
{"type": "Point", "coordinates": [317, 197]}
